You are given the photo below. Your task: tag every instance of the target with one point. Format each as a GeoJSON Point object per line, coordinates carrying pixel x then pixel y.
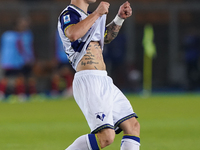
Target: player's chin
{"type": "Point", "coordinates": [91, 1]}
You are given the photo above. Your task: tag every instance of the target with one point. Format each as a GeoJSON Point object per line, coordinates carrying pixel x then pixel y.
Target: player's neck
{"type": "Point", "coordinates": [81, 4]}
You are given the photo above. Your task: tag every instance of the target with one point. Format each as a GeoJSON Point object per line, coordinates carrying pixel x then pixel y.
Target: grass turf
{"type": "Point", "coordinates": [168, 122]}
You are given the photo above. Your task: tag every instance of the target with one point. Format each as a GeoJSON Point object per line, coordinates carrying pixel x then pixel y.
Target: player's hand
{"type": "Point", "coordinates": [125, 10]}
{"type": "Point", "coordinates": [102, 8]}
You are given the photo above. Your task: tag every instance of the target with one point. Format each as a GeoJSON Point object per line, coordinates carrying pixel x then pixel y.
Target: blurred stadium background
{"type": "Point", "coordinates": [176, 30]}
{"type": "Point", "coordinates": [168, 121]}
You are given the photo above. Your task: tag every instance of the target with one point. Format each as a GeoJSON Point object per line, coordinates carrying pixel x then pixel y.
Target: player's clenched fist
{"type": "Point", "coordinates": [125, 10]}
{"type": "Point", "coordinates": [103, 8]}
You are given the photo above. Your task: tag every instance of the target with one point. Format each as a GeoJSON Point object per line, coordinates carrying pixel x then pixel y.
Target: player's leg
{"type": "Point", "coordinates": [93, 141]}
{"type": "Point", "coordinates": [125, 120]}
{"type": "Point", "coordinates": [88, 95]}
{"type": "Point", "coordinates": [131, 138]}
{"type": "Point", "coordinates": [131, 126]}
{"type": "Point", "coordinates": [85, 142]}
{"type": "Point", "coordinates": [106, 137]}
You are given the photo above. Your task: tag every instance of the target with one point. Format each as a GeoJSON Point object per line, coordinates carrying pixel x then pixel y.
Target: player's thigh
{"type": "Point", "coordinates": [131, 126]}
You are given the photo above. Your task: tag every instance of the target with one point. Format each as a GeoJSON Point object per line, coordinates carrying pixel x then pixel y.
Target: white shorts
{"type": "Point", "coordinates": [102, 103]}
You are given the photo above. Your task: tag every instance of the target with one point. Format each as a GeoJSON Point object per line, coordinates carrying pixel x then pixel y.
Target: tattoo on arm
{"type": "Point", "coordinates": [112, 31]}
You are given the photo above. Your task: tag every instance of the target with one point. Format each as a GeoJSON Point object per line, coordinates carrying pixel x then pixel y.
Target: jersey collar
{"type": "Point", "coordinates": [79, 9]}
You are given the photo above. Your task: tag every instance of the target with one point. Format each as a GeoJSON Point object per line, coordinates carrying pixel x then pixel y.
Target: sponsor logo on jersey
{"type": "Point", "coordinates": [66, 19]}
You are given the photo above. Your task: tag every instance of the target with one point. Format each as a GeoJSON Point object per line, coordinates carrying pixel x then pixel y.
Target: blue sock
{"type": "Point", "coordinates": [135, 138]}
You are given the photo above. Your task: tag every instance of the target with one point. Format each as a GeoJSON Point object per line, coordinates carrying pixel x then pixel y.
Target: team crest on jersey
{"type": "Point", "coordinates": [100, 116]}
{"type": "Point", "coordinates": [66, 19]}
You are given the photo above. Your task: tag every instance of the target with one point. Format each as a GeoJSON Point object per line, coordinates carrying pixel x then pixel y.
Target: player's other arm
{"type": "Point", "coordinates": [113, 28]}
{"type": "Point", "coordinates": [78, 30]}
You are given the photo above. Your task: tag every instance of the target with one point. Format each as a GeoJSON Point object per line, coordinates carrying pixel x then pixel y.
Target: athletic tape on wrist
{"type": "Point", "coordinates": [118, 21]}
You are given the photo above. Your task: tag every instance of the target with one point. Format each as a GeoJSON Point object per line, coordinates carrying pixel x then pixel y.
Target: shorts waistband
{"type": "Point", "coordinates": [91, 72]}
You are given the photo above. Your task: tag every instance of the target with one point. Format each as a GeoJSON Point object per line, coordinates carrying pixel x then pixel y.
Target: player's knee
{"type": "Point", "coordinates": [106, 137]}
{"type": "Point", "coordinates": [131, 127]}
{"type": "Point", "coordinates": [108, 140]}
{"type": "Point", "coordinates": [136, 126]}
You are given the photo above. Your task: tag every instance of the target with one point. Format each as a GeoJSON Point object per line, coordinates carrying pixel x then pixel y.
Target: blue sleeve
{"type": "Point", "coordinates": [68, 18]}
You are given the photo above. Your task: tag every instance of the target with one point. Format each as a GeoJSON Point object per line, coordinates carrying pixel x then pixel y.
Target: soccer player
{"type": "Point", "coordinates": [105, 107]}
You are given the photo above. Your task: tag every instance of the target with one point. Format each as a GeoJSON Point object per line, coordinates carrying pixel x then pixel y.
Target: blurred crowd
{"type": "Point", "coordinates": [191, 49]}
{"type": "Point", "coordinates": [22, 75]}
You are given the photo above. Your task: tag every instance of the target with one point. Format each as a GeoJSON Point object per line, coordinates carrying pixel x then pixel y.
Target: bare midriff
{"type": "Point", "coordinates": [93, 59]}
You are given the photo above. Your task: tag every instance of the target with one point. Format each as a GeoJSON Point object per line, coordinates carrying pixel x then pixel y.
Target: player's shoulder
{"type": "Point", "coordinates": [69, 14]}
{"type": "Point", "coordinates": [70, 11]}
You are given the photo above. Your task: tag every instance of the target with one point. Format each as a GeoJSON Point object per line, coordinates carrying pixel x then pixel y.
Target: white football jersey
{"type": "Point", "coordinates": [77, 49]}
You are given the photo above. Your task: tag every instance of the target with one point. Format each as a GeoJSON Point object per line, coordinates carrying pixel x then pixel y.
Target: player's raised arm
{"type": "Point", "coordinates": [78, 30]}
{"type": "Point", "coordinates": [113, 28]}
